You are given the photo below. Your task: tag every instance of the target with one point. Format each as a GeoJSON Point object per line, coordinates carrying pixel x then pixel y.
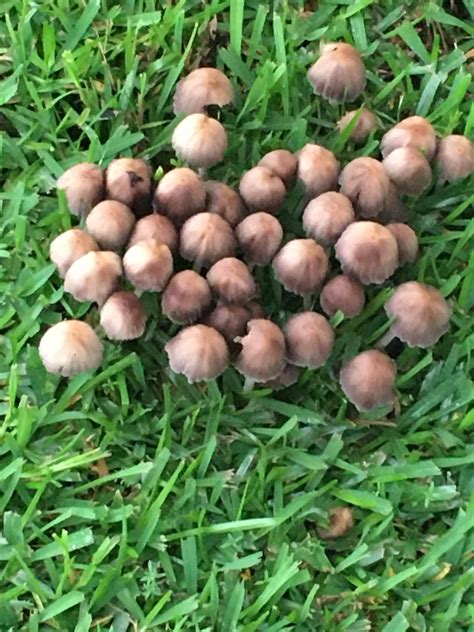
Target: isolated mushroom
{"type": "Point", "coordinates": [318, 169]}
{"type": "Point", "coordinates": [70, 347]}
{"type": "Point", "coordinates": [231, 280]}
{"type": "Point", "coordinates": [301, 266]}
{"type": "Point", "coordinates": [282, 163]}
{"type": "Point", "coordinates": [407, 242]}
{"type": "Point", "coordinates": [205, 238]}
{"type": "Point", "coordinates": [229, 320]}
{"type": "Point", "coordinates": [180, 194]}
{"type": "Point", "coordinates": [287, 377]}
{"type": "Point", "coordinates": [327, 216]}
{"type": "Point", "coordinates": [408, 169]}
{"type": "Point", "coordinates": [69, 247]}
{"type": "Point", "coordinates": [128, 180]}
{"type": "Point", "coordinates": [259, 235]}
{"type": "Point", "coordinates": [186, 297]}
{"type": "Point", "coordinates": [94, 276]}
{"type": "Point", "coordinates": [414, 131]}
{"type": "Point", "coordinates": [157, 227]}
{"type": "Point", "coordinates": [202, 87]}
{"type": "Point", "coordinates": [262, 190]}
{"type": "Point", "coordinates": [83, 186]}
{"type": "Point", "coordinates": [262, 356]}
{"type": "Point", "coordinates": [309, 339]}
{"type": "Point", "coordinates": [455, 157]}
{"type": "Point", "coordinates": [148, 265]}
{"type": "Point", "coordinates": [123, 317]}
{"type": "Point", "coordinates": [365, 124]}
{"type": "Point", "coordinates": [339, 73]}
{"type": "Point", "coordinates": [199, 140]}
{"type": "Point", "coordinates": [366, 183]}
{"type": "Point", "coordinates": [394, 209]}
{"type": "Point", "coordinates": [342, 293]}
{"type": "Point", "coordinates": [368, 380]}
{"type": "Point", "coordinates": [341, 521]}
{"type": "Point", "coordinates": [199, 352]}
{"type": "Point", "coordinates": [224, 201]}
{"type": "Point", "coordinates": [110, 223]}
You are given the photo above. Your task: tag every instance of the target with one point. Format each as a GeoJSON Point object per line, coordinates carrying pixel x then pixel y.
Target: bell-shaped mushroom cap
{"type": "Point", "coordinates": [128, 180]}
{"type": "Point", "coordinates": [224, 201]}
{"type": "Point", "coordinates": [180, 194]}
{"type": "Point", "coordinates": [366, 122]}
{"type": "Point", "coordinates": [148, 265]}
{"type": "Point", "coordinates": [199, 352]}
{"type": "Point", "coordinates": [421, 314]}
{"type": "Point", "coordinates": [199, 140]}
{"type": "Point", "coordinates": [414, 131]}
{"type": "Point", "coordinates": [368, 380]}
{"type": "Point", "coordinates": [408, 169]}
{"type": "Point", "coordinates": [69, 247]}
{"type": "Point", "coordinates": [231, 280]}
{"type": "Point", "coordinates": [342, 293]}
{"type": "Point", "coordinates": [339, 74]}
{"type": "Point", "coordinates": [157, 227]}
{"type": "Point", "coordinates": [341, 521]}
{"type": "Point", "coordinates": [186, 298]}
{"type": "Point", "coordinates": [229, 320]}
{"type": "Point", "coordinates": [123, 317]}
{"type": "Point", "coordinates": [255, 309]}
{"type": "Point", "coordinates": [205, 238]}
{"type": "Point", "coordinates": [326, 217]}
{"type": "Point", "coordinates": [318, 169]}
{"type": "Point", "coordinates": [94, 276]}
{"type": "Point", "coordinates": [309, 339]}
{"type": "Point", "coordinates": [259, 235]}
{"type": "Point", "coordinates": [283, 163]}
{"type": "Point", "coordinates": [70, 347]}
{"type": "Point", "coordinates": [407, 242]}
{"type": "Point", "coordinates": [110, 223]}
{"type": "Point", "coordinates": [262, 190]}
{"type": "Point", "coordinates": [84, 187]}
{"type": "Point", "coordinates": [367, 251]}
{"type": "Point", "coordinates": [262, 356]}
{"type": "Point", "coordinates": [301, 266]}
{"type": "Point", "coordinates": [202, 87]}
{"type": "Point", "coordinates": [394, 210]}
{"type": "Point", "coordinates": [366, 183]}
{"type": "Point", "coordinates": [287, 377]}
{"type": "Point", "coordinates": [455, 157]}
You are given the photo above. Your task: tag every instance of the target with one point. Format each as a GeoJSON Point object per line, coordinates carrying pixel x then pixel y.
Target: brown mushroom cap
{"type": "Point", "coordinates": [367, 251]}
{"type": "Point", "coordinates": [262, 356]}
{"type": "Point", "coordinates": [414, 131]}
{"type": "Point", "coordinates": [366, 122]}
{"type": "Point", "coordinates": [110, 223]}
{"type": "Point", "coordinates": [282, 163]}
{"type": "Point", "coordinates": [309, 339]}
{"type": "Point", "coordinates": [157, 227]}
{"type": "Point", "coordinates": [287, 377]}
{"type": "Point", "coordinates": [70, 347]}
{"type": "Point", "coordinates": [262, 190]}
{"type": "Point", "coordinates": [407, 242]}
{"type": "Point", "coordinates": [231, 280]}
{"type": "Point", "coordinates": [255, 309]}
{"type": "Point", "coordinates": [148, 265]}
{"type": "Point", "coordinates": [128, 180]}
{"type": "Point", "coordinates": [455, 157]}
{"type": "Point", "coordinates": [199, 352]}
{"type": "Point", "coordinates": [186, 298]}
{"type": "Point", "coordinates": [368, 380]}
{"type": "Point", "coordinates": [301, 266]}
{"type": "Point", "coordinates": [259, 235]}
{"type": "Point", "coordinates": [326, 217]}
{"type": "Point", "coordinates": [123, 317]}
{"type": "Point", "coordinates": [199, 140]}
{"type": "Point", "coordinates": [202, 87]}
{"type": "Point", "coordinates": [69, 247]}
{"type": "Point", "coordinates": [421, 314]}
{"type": "Point", "coordinates": [408, 169]}
{"type": "Point", "coordinates": [342, 293]}
{"type": "Point", "coordinates": [318, 169]}
{"type": "Point", "coordinates": [224, 201]}
{"type": "Point", "coordinates": [94, 276]}
{"type": "Point", "coordinates": [205, 238]}
{"type": "Point", "coordinates": [180, 194]}
{"type": "Point", "coordinates": [366, 183]}
{"type": "Point", "coordinates": [83, 186]}
{"type": "Point", "coordinates": [339, 74]}
{"type": "Point", "coordinates": [229, 320]}
{"type": "Point", "coordinates": [341, 521]}
{"type": "Point", "coordinates": [394, 210]}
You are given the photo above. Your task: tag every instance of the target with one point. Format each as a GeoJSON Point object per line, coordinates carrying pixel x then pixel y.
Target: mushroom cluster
{"type": "Point", "coordinates": [197, 243]}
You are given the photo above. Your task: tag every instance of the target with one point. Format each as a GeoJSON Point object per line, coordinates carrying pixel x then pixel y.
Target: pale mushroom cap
{"type": "Point", "coordinates": [341, 521]}
{"type": "Point", "coordinates": [283, 163]}
{"type": "Point", "coordinates": [128, 180]}
{"type": "Point", "coordinates": [224, 201]}
{"type": "Point", "coordinates": [123, 317]}
{"type": "Point", "coordinates": [148, 265]}
{"type": "Point", "coordinates": [318, 169]}
{"type": "Point", "coordinates": [94, 277]}
{"type": "Point", "coordinates": [367, 251]}
{"type": "Point", "coordinates": [199, 352]}
{"type": "Point", "coordinates": [394, 210]}
{"type": "Point", "coordinates": [344, 294]}
{"type": "Point", "coordinates": [327, 216]}
{"type": "Point", "coordinates": [455, 157]}
{"type": "Point", "coordinates": [301, 266]}
{"type": "Point", "coordinates": [69, 247]}
{"type": "Point", "coordinates": [180, 194]}
{"type": "Point", "coordinates": [186, 298]}
{"type": "Point", "coordinates": [366, 122]}
{"type": "Point", "coordinates": [202, 87]}
{"type": "Point", "coordinates": [309, 339]}
{"type": "Point", "coordinates": [157, 227]}
{"type": "Point", "coordinates": [262, 190]}
{"type": "Point", "coordinates": [368, 380]}
{"type": "Point", "coordinates": [259, 235]}
{"type": "Point", "coordinates": [231, 280]}
{"type": "Point", "coordinates": [255, 309]}
{"type": "Point", "coordinates": [84, 187]}
{"type": "Point", "coordinates": [366, 183]}
{"type": "Point", "coordinates": [230, 320]}
{"type": "Point", "coordinates": [421, 314]}
{"type": "Point", "coordinates": [339, 74]}
{"type": "Point", "coordinates": [110, 223]}
{"type": "Point", "coordinates": [262, 356]}
{"type": "Point", "coordinates": [205, 238]}
{"type": "Point", "coordinates": [407, 242]}
{"type": "Point", "coordinates": [70, 347]}
{"type": "Point", "coordinates": [408, 169]}
{"type": "Point", "coordinates": [199, 140]}
{"type": "Point", "coordinates": [414, 131]}
{"type": "Point", "coordinates": [287, 377]}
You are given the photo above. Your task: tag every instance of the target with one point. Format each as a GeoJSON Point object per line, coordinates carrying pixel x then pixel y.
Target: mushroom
{"type": "Point", "coordinates": [255, 309]}
{"type": "Point", "coordinates": [205, 238]}
{"type": "Point", "coordinates": [407, 242]}
{"type": "Point", "coordinates": [341, 521]}
{"type": "Point", "coordinates": [287, 377]}
{"type": "Point", "coordinates": [70, 347]}
{"type": "Point", "coordinates": [262, 356]}
{"type": "Point", "coordinates": [344, 294]}
{"type": "Point", "coordinates": [262, 190]}
{"type": "Point", "coordinates": [128, 180]}
{"type": "Point", "coordinates": [282, 163]}
{"type": "Point", "coordinates": [180, 194]}
{"type": "Point", "coordinates": [229, 320]}
{"type": "Point", "coordinates": [69, 247]}
{"type": "Point", "coordinates": [110, 223]}
{"type": "Point", "coordinates": [414, 131]}
{"type": "Point", "coordinates": [367, 251]}
{"type": "Point", "coordinates": [309, 340]}
{"type": "Point", "coordinates": [199, 352]}
{"type": "Point", "coordinates": [408, 169]}
{"type": "Point", "coordinates": [122, 316]}
{"type": "Point", "coordinates": [259, 235]}
{"type": "Point", "coordinates": [186, 298]}
{"type": "Point", "coordinates": [327, 216]}
{"type": "Point", "coordinates": [318, 169]}
{"type": "Point", "coordinates": [83, 186]}
{"type": "Point", "coordinates": [455, 158]}
{"type": "Point", "coordinates": [339, 73]}
{"type": "Point", "coordinates": [365, 124]}
{"type": "Point", "coordinates": [224, 201]}
{"type": "Point", "coordinates": [394, 209]}
{"type": "Point", "coordinates": [366, 183]}
{"type": "Point", "coordinates": [148, 265]}
{"type": "Point", "coordinates": [199, 140]}
{"type": "Point", "coordinates": [93, 277]}
{"type": "Point", "coordinates": [368, 380]}
{"type": "Point", "coordinates": [156, 227]}
{"type": "Point", "coordinates": [202, 87]}
{"type": "Point", "coordinates": [231, 280]}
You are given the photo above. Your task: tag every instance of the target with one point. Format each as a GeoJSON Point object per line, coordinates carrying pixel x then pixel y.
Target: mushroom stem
{"type": "Point", "coordinates": [248, 384]}
{"type": "Point", "coordinates": [202, 172]}
{"type": "Point", "coordinates": [307, 302]}
{"type": "Point", "coordinates": [385, 340]}
{"type": "Point", "coordinates": [197, 267]}
{"type": "Point", "coordinates": [138, 292]}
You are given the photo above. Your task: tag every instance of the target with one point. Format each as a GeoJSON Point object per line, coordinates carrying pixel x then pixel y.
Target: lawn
{"type": "Point", "coordinates": [134, 501]}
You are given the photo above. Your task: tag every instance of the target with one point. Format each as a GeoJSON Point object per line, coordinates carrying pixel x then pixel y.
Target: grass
{"type": "Point", "coordinates": [133, 501]}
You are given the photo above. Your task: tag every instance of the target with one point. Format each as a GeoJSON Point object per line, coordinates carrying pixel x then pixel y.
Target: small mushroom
{"type": "Point", "coordinates": [83, 186]}
{"type": "Point", "coordinates": [93, 277]}
{"type": "Point", "coordinates": [341, 521]}
{"type": "Point", "coordinates": [408, 169]}
{"type": "Point", "coordinates": [455, 158]}
{"type": "Point", "coordinates": [366, 183]}
{"type": "Point", "coordinates": [342, 293]}
{"type": "Point", "coordinates": [199, 140]}
{"type": "Point", "coordinates": [180, 194]}
{"type": "Point", "coordinates": [202, 87]}
{"type": "Point", "coordinates": [262, 356]}
{"type": "Point", "coordinates": [282, 163]}
{"type": "Point", "coordinates": [110, 223]}
{"type": "Point", "coordinates": [70, 347]}
{"type": "Point", "coordinates": [231, 280]}
{"type": "Point", "coordinates": [157, 227]}
{"type": "Point", "coordinates": [365, 124]}
{"type": "Point", "coordinates": [339, 73]}
{"type": "Point", "coordinates": [309, 340]}
{"type": "Point", "coordinates": [287, 377]}
{"type": "Point", "coordinates": [148, 265]}
{"type": "Point", "coordinates": [414, 131]}
{"type": "Point", "coordinates": [262, 190]}
{"type": "Point", "coordinates": [255, 309]}
{"type": "Point", "coordinates": [224, 201]}
{"type": "Point", "coordinates": [69, 247]}
{"type": "Point", "coordinates": [229, 320]}
{"type": "Point", "coordinates": [205, 238]}
{"type": "Point", "coordinates": [301, 266]}
{"type": "Point", "coordinates": [186, 298]}
{"type": "Point", "coordinates": [122, 316]}
{"type": "Point", "coordinates": [128, 180]}
{"type": "Point", "coordinates": [394, 209]}
{"type": "Point", "coordinates": [327, 216]}
{"type": "Point", "coordinates": [407, 242]}
{"type": "Point", "coordinates": [368, 380]}
{"type": "Point", "coordinates": [259, 235]}
{"type": "Point", "coordinates": [318, 169]}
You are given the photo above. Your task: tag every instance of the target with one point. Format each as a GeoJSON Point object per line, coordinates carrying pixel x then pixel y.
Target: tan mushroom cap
{"type": "Point", "coordinates": [366, 123]}
{"type": "Point", "coordinates": [148, 265]}
{"type": "Point", "coordinates": [408, 169]}
{"type": "Point", "coordinates": [224, 201]}
{"type": "Point", "coordinates": [394, 210]}
{"type": "Point", "coordinates": [110, 223]}
{"type": "Point", "coordinates": [262, 356]}
{"type": "Point", "coordinates": [366, 183]}
{"type": "Point", "coordinates": [309, 340]}
{"type": "Point", "coordinates": [327, 216]}
{"type": "Point", "coordinates": [455, 157]}
{"type": "Point", "coordinates": [287, 377]}
{"type": "Point", "coordinates": [341, 521]}
{"type": "Point", "coordinates": [199, 140]}
{"type": "Point", "coordinates": [157, 227]}
{"type": "Point", "coordinates": [318, 169]}
{"type": "Point", "coordinates": [283, 163]}
{"type": "Point", "coordinates": [69, 247]}
{"type": "Point", "coordinates": [407, 242]}
{"type": "Point", "coordinates": [199, 352]}
{"type": "Point", "coordinates": [83, 186]}
{"type": "Point", "coordinates": [367, 251]}
{"type": "Point", "coordinates": [94, 277]}
{"type": "Point", "coordinates": [70, 347]}
{"type": "Point", "coordinates": [301, 266]}
{"type": "Point", "coordinates": [128, 180]}
{"type": "Point", "coordinates": [414, 131]}
{"type": "Point", "coordinates": [259, 235]}
{"type": "Point", "coordinates": [255, 309]}
{"type": "Point", "coordinates": [342, 293]}
{"type": "Point", "coordinates": [186, 297]}
{"type": "Point", "coordinates": [339, 74]}
{"type": "Point", "coordinates": [231, 280]}
{"type": "Point", "coordinates": [368, 380]}
{"type": "Point", "coordinates": [180, 194]}
{"type": "Point", "coordinates": [421, 314]}
{"type": "Point", "coordinates": [202, 87]}
{"type": "Point", "coordinates": [205, 238]}
{"type": "Point", "coordinates": [123, 317]}
{"type": "Point", "coordinates": [229, 320]}
{"type": "Point", "coordinates": [262, 190]}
